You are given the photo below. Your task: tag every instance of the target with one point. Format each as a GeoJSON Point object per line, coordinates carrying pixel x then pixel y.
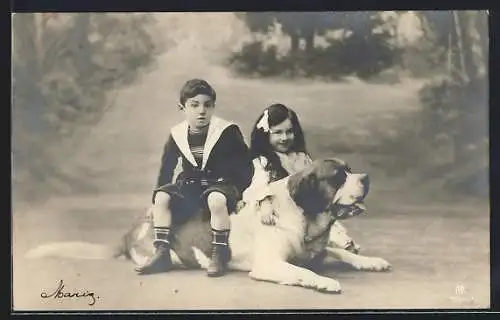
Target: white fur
{"type": "Point", "coordinates": [73, 249]}
{"type": "Point", "coordinates": [351, 188]}
{"type": "Point", "coordinates": [338, 237]}
{"type": "Point", "coordinates": [143, 231]}
{"type": "Point", "coordinates": [88, 251]}
{"type": "Point", "coordinates": [361, 263]}
{"type": "Point", "coordinates": [263, 250]}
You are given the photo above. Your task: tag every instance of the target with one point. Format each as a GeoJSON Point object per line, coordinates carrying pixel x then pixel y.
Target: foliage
{"type": "Point", "coordinates": [64, 68]}
{"type": "Point", "coordinates": [446, 139]}
{"type": "Point", "coordinates": [359, 51]}
{"type": "Point", "coordinates": [453, 119]}
{"type": "Point", "coordinates": [365, 56]}
{"type": "Point", "coordinates": [253, 60]}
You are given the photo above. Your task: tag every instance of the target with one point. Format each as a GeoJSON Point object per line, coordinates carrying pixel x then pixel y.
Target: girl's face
{"type": "Point", "coordinates": [281, 136]}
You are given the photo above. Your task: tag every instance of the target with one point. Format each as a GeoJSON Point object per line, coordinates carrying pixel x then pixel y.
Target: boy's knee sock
{"type": "Point", "coordinates": [162, 236]}
{"type": "Point", "coordinates": [220, 237]}
{"type": "Point", "coordinates": [162, 219]}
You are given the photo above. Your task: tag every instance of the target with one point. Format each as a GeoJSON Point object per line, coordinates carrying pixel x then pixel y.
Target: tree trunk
{"type": "Point", "coordinates": [460, 47]}
{"type": "Point", "coordinates": [294, 44]}
{"type": "Point", "coordinates": [81, 46]}
{"type": "Point", "coordinates": [449, 55]}
{"type": "Point", "coordinates": [294, 52]}
{"type": "Point", "coordinates": [467, 28]}
{"type": "Point", "coordinates": [483, 30]}
{"type": "Point", "coordinates": [424, 24]}
{"type": "Point", "coordinates": [24, 27]}
{"type": "Point", "coordinates": [38, 22]}
{"type": "Point", "coordinates": [471, 101]}
{"type": "Point", "coordinates": [309, 39]}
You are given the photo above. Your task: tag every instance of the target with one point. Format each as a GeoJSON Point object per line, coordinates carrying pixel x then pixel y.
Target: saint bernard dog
{"type": "Point", "coordinates": [307, 205]}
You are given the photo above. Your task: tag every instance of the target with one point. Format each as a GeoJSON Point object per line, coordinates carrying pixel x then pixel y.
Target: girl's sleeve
{"type": "Point", "coordinates": [259, 187]}
{"type": "Point", "coordinates": [308, 159]}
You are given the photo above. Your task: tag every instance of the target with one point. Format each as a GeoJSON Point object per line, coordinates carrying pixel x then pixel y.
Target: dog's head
{"type": "Point", "coordinates": [329, 185]}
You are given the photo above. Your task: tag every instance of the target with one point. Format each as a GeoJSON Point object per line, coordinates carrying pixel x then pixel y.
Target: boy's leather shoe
{"type": "Point", "coordinates": [221, 254]}
{"type": "Point", "coordinates": [159, 262]}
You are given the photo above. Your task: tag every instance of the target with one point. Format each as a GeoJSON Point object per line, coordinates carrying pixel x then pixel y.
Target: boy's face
{"type": "Point", "coordinates": [198, 110]}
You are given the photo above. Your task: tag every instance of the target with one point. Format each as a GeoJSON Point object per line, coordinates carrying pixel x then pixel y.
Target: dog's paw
{"type": "Point", "coordinates": [328, 285]}
{"type": "Point", "coordinates": [371, 264]}
{"type": "Point", "coordinates": [201, 258]}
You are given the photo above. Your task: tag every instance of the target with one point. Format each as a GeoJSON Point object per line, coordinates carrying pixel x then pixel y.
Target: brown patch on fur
{"type": "Point", "coordinates": [313, 189]}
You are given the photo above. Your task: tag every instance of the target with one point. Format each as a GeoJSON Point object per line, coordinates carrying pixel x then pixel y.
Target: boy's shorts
{"type": "Point", "coordinates": [188, 198]}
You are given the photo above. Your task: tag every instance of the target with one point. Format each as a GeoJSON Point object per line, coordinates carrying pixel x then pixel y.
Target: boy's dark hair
{"type": "Point", "coordinates": [194, 87]}
{"type": "Point", "coordinates": [259, 141]}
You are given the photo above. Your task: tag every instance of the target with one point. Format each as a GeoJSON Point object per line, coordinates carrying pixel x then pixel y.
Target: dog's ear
{"type": "Point", "coordinates": [336, 178]}
{"type": "Point", "coordinates": [304, 190]}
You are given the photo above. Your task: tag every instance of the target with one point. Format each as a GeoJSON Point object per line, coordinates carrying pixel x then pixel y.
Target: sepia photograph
{"type": "Point", "coordinates": [218, 161]}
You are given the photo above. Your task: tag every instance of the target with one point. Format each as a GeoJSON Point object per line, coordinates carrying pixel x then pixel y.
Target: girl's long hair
{"type": "Point", "coordinates": [259, 141]}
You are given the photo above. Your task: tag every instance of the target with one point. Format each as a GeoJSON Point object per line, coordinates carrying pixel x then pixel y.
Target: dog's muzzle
{"type": "Point", "coordinates": [343, 211]}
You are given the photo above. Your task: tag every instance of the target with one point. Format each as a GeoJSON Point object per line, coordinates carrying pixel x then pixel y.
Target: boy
{"type": "Point", "coordinates": [216, 169]}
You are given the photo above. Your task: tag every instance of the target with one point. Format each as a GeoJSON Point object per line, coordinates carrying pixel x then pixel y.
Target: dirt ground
{"type": "Point", "coordinates": [438, 246]}
{"type": "Point", "coordinates": [433, 248]}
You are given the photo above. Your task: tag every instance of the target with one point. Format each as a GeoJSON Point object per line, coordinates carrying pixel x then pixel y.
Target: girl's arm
{"type": "Point", "coordinates": [259, 187]}
{"type": "Point", "coordinates": [259, 193]}
{"type": "Point", "coordinates": [309, 160]}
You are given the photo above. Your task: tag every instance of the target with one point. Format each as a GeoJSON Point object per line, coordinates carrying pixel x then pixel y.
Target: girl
{"type": "Point", "coordinates": [278, 149]}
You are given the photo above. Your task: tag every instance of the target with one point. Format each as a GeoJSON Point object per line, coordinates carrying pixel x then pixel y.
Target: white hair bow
{"type": "Point", "coordinates": [264, 122]}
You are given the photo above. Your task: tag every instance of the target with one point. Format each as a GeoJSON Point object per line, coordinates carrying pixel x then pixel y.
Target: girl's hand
{"type": "Point", "coordinates": [268, 219]}
{"type": "Point", "coordinates": [240, 205]}
{"type": "Point", "coordinates": [267, 215]}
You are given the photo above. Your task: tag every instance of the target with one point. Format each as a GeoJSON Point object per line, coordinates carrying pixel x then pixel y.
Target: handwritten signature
{"type": "Point", "coordinates": [59, 293]}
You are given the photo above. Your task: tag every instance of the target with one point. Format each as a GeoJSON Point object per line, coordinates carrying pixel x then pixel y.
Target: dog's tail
{"type": "Point", "coordinates": [75, 250]}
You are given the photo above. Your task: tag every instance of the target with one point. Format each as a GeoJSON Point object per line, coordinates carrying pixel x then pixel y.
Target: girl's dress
{"type": "Point", "coordinates": [263, 175]}
{"type": "Point", "coordinates": [292, 163]}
